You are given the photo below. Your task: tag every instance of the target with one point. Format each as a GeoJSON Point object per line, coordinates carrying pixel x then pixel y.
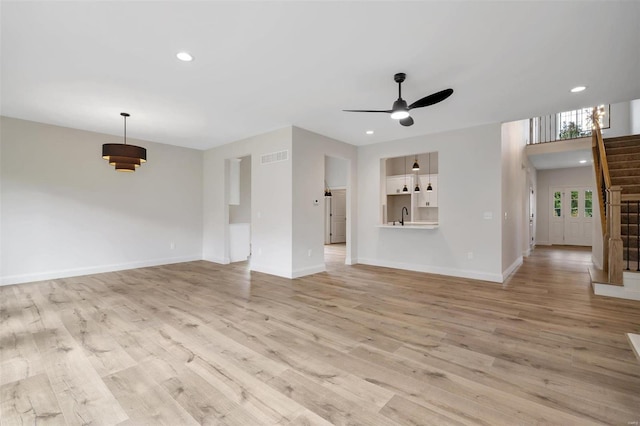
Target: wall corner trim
{"type": "Point", "coordinates": [512, 268]}
{"type": "Point", "coordinates": [308, 271]}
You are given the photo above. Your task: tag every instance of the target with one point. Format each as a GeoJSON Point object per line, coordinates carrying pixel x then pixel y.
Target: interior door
{"type": "Point", "coordinates": [578, 221]}
{"type": "Point", "coordinates": [338, 216]}
{"type": "Point", "coordinates": [556, 216]}
{"type": "Point", "coordinates": [571, 214]}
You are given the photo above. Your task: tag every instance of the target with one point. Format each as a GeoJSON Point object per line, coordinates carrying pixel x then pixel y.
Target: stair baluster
{"type": "Point", "coordinates": [628, 233]}
{"type": "Point", "coordinates": [616, 261]}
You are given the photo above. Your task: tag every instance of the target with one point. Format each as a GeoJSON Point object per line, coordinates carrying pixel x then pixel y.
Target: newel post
{"type": "Point", "coordinates": [615, 242]}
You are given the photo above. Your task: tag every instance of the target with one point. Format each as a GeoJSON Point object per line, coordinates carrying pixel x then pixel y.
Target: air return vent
{"type": "Point", "coordinates": [274, 157]}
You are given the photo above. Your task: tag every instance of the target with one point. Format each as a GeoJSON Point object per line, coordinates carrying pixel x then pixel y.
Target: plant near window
{"type": "Point", "coordinates": [571, 130]}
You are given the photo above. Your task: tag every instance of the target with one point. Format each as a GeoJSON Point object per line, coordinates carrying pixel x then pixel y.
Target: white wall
{"type": "Point", "coordinates": [285, 223]}
{"type": "Point", "coordinates": [66, 212]}
{"type": "Point", "coordinates": [469, 182]}
{"type": "Point", "coordinates": [620, 122]}
{"type": "Point", "coordinates": [335, 172]}
{"type": "Point", "coordinates": [514, 184]}
{"type": "Point", "coordinates": [634, 112]}
{"type": "Point", "coordinates": [574, 176]}
{"type": "Point", "coordinates": [271, 202]}
{"type": "Point", "coordinates": [309, 151]}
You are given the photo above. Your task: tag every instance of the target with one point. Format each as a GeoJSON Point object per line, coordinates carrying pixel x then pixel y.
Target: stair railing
{"type": "Point", "coordinates": [609, 198]}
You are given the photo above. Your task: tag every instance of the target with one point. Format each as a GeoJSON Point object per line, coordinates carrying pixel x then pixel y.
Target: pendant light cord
{"type": "Point", "coordinates": [125, 129]}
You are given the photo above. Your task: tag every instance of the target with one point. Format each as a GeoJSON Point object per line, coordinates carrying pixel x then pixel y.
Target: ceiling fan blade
{"type": "Point", "coordinates": [407, 121]}
{"type": "Point", "coordinates": [432, 99]}
{"type": "Point", "coordinates": [367, 110]}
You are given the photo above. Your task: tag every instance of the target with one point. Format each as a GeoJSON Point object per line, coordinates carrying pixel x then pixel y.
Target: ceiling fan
{"type": "Point", "coordinates": [400, 110]}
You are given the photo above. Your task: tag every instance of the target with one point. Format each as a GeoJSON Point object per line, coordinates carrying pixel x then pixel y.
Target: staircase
{"type": "Point", "coordinates": [623, 156]}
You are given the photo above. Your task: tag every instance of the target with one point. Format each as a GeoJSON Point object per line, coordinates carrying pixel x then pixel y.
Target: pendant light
{"type": "Point", "coordinates": [416, 166]}
{"type": "Point", "coordinates": [124, 157]}
{"type": "Point", "coordinates": [405, 189]}
{"type": "Point", "coordinates": [429, 187]}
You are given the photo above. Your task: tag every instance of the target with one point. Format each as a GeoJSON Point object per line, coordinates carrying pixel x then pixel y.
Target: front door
{"type": "Point", "coordinates": [570, 220]}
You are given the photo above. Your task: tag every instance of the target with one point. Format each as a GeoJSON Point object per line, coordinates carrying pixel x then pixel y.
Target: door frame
{"type": "Point", "coordinates": [566, 208]}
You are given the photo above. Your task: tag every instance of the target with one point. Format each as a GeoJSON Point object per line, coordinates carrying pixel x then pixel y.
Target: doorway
{"type": "Point", "coordinates": [239, 208]}
{"type": "Point", "coordinates": [336, 176]}
{"type": "Point", "coordinates": [532, 209]}
{"type": "Point", "coordinates": [571, 216]}
{"type": "Point", "coordinates": [337, 216]}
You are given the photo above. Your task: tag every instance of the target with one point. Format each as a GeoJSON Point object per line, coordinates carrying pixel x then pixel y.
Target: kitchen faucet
{"type": "Point", "coordinates": [404, 209]}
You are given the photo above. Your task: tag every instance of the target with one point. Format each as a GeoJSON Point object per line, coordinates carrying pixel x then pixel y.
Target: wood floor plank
{"type": "Point", "coordinates": [30, 401]}
{"type": "Point", "coordinates": [202, 343]}
{"type": "Point", "coordinates": [19, 356]}
{"type": "Point", "coordinates": [144, 400]}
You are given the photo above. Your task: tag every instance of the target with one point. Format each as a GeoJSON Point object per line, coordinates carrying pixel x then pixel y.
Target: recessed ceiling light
{"type": "Point", "coordinates": [578, 89]}
{"type": "Point", "coordinates": [184, 56]}
{"type": "Point", "coordinates": [369, 132]}
{"type": "Point", "coordinates": [583, 161]}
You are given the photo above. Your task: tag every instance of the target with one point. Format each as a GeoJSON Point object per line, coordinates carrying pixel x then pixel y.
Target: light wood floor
{"type": "Point", "coordinates": [201, 343]}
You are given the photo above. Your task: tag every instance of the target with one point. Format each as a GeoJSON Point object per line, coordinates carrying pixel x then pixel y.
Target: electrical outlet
{"type": "Point", "coordinates": [309, 253]}
{"type": "Point", "coordinates": [470, 255]}
{"type": "Point", "coordinates": [172, 245]}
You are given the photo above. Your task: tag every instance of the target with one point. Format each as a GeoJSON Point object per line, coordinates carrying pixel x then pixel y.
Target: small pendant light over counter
{"type": "Point", "coordinates": [405, 189]}
{"type": "Point", "coordinates": [416, 166]}
{"type": "Point", "coordinates": [429, 187]}
{"type": "Point", "coordinates": [125, 158]}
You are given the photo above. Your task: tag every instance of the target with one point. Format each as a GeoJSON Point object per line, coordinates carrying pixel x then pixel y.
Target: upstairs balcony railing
{"type": "Point", "coordinates": [566, 125]}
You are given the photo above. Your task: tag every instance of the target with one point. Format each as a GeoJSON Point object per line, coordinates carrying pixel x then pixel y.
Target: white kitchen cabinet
{"type": "Point", "coordinates": [428, 198]}
{"type": "Point", "coordinates": [395, 184]}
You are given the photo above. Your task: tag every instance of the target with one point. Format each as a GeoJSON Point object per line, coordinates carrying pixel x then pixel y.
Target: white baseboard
{"type": "Point", "coordinates": [634, 341]}
{"type": "Point", "coordinates": [89, 270]}
{"type": "Point", "coordinates": [462, 273]}
{"type": "Point", "coordinates": [543, 243]}
{"type": "Point", "coordinates": [511, 268]}
{"type": "Point", "coordinates": [350, 260]}
{"type": "Point", "coordinates": [308, 271]}
{"type": "Point", "coordinates": [615, 291]}
{"type": "Point", "coordinates": [265, 269]}
{"type": "Point", "coordinates": [631, 280]}
{"type": "Point", "coordinates": [220, 260]}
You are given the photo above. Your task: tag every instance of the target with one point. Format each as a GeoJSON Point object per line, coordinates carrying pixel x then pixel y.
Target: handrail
{"type": "Point", "coordinates": [601, 166]}
{"type": "Point", "coordinates": [610, 206]}
{"type": "Point", "coordinates": [603, 156]}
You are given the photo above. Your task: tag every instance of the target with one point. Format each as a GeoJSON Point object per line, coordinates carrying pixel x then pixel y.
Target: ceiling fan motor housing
{"type": "Point", "coordinates": [399, 77]}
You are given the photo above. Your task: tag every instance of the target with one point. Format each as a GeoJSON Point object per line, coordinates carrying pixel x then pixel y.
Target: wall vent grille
{"type": "Point", "coordinates": [274, 157]}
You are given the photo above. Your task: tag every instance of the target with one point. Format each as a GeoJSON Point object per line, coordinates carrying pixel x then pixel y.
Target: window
{"type": "Point", "coordinates": [574, 203]}
{"type": "Point", "coordinates": [588, 204]}
{"type": "Point", "coordinates": [557, 204]}
{"type": "Point", "coordinates": [577, 123]}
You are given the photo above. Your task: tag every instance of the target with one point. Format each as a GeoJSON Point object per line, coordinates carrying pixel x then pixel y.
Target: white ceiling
{"type": "Point", "coordinates": [265, 65]}
{"type": "Point", "coordinates": [562, 160]}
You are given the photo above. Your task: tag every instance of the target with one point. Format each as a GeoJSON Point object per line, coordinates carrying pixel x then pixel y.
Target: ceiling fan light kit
{"type": "Point", "coordinates": [400, 110]}
{"type": "Point", "coordinates": [125, 158]}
